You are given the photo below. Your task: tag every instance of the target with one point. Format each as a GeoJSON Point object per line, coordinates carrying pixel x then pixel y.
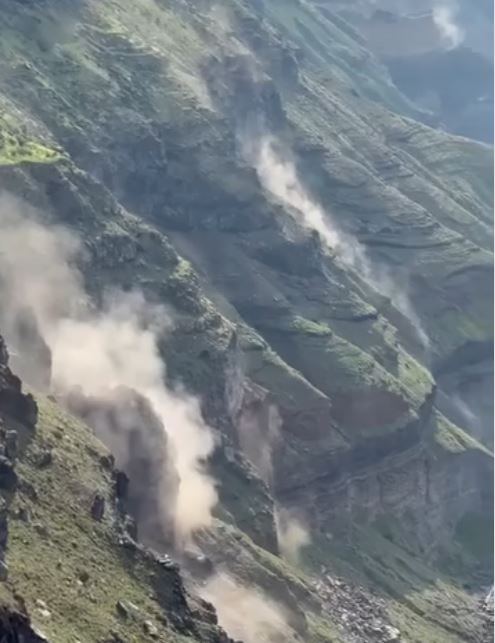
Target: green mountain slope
{"type": "Point", "coordinates": [204, 153]}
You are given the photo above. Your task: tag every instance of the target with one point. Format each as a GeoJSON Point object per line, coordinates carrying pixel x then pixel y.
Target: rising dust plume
{"type": "Point", "coordinates": [99, 350]}
{"type": "Point", "coordinates": [246, 614]}
{"type": "Point", "coordinates": [444, 16]}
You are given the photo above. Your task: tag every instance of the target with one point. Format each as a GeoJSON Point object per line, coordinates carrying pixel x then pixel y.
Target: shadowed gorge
{"type": "Point", "coordinates": [246, 286]}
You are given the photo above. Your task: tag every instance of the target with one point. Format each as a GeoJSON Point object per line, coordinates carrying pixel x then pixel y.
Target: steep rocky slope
{"type": "Point", "coordinates": [72, 571]}
{"type": "Point", "coordinates": [68, 571]}
{"type": "Point", "coordinates": [326, 262]}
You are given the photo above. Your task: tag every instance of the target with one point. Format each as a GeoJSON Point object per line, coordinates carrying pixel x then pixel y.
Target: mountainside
{"type": "Point", "coordinates": [251, 294]}
{"type": "Point", "coordinates": [440, 54]}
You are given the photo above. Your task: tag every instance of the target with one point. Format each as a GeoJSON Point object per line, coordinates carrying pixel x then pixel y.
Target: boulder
{"type": "Point", "coordinates": [98, 507]}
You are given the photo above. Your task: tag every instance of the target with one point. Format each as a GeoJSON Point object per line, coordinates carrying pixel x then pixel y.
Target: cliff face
{"type": "Point", "coordinates": [326, 262]}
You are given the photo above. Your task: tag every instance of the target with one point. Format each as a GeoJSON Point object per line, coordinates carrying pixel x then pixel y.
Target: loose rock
{"type": "Point", "coordinates": [121, 485]}
{"type": "Point", "coordinates": [126, 609]}
{"type": "Point", "coordinates": [23, 514]}
{"type": "Point", "coordinates": [40, 529]}
{"type": "Point", "coordinates": [42, 609]}
{"type": "Point", "coordinates": [150, 629]}
{"type": "Point", "coordinates": [84, 577]}
{"type": "Point", "coordinates": [45, 458]}
{"type": "Point", "coordinates": [98, 507]}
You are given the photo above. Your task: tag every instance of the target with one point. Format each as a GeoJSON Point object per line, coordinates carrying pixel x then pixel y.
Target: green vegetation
{"type": "Point", "coordinates": [16, 147]}
{"type": "Point", "coordinates": [60, 555]}
{"type": "Point", "coordinates": [308, 327]}
{"type": "Point", "coordinates": [321, 632]}
{"type": "Point", "coordinates": [424, 603]}
{"type": "Point", "coordinates": [145, 99]}
{"type": "Point", "coordinates": [452, 438]}
{"type": "Point", "coordinates": [417, 381]}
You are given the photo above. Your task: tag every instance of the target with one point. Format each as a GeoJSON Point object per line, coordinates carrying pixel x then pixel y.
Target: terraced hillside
{"type": "Point", "coordinates": [324, 264]}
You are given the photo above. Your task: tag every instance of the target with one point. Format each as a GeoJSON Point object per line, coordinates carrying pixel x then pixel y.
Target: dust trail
{"type": "Point", "coordinates": [99, 351]}
{"type": "Point", "coordinates": [396, 289]}
{"type": "Point", "coordinates": [246, 614]}
{"type": "Point", "coordinates": [467, 415]}
{"type": "Point", "coordinates": [292, 534]}
{"type": "Point", "coordinates": [258, 429]}
{"type": "Point", "coordinates": [444, 16]}
{"type": "Point", "coordinates": [278, 175]}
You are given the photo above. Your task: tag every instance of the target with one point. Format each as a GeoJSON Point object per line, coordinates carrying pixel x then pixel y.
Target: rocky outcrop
{"type": "Point", "coordinates": [18, 416]}
{"type": "Point", "coordinates": [183, 611]}
{"type": "Point", "coordinates": [15, 627]}
{"type": "Point", "coordinates": [32, 359]}
{"type": "Point", "coordinates": [14, 403]}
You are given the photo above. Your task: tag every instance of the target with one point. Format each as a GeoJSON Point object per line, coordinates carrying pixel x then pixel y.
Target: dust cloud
{"type": "Point", "coordinates": [292, 534]}
{"type": "Point", "coordinates": [100, 350]}
{"type": "Point", "coordinates": [444, 16]}
{"type": "Point", "coordinates": [278, 175]}
{"type": "Point", "coordinates": [258, 430]}
{"type": "Point", "coordinates": [246, 614]}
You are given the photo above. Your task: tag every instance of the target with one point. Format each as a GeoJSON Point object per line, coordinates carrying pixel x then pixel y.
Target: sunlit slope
{"type": "Point", "coordinates": [126, 122]}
